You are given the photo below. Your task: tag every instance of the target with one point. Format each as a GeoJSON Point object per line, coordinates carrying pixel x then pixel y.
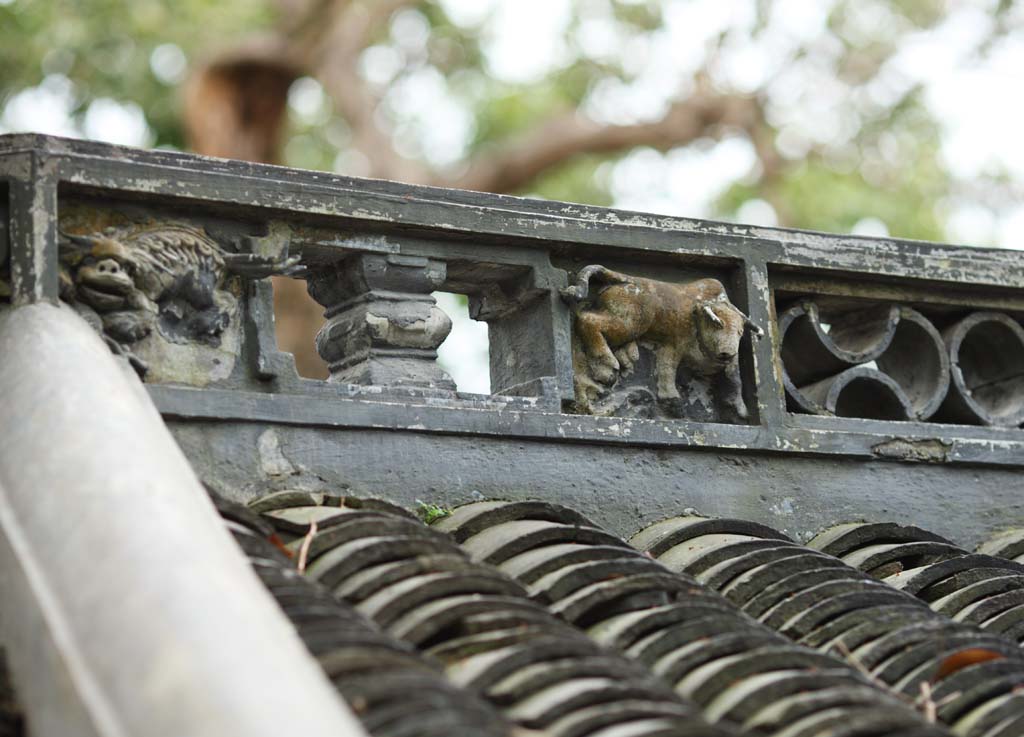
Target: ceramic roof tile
{"type": "Point", "coordinates": [417, 585]}
{"type": "Point", "coordinates": [969, 677]}
{"type": "Point", "coordinates": [974, 588]}
{"type": "Point", "coordinates": [624, 622]}
{"type": "Point", "coordinates": [393, 689]}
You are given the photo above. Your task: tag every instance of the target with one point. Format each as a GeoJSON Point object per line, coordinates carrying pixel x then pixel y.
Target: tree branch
{"type": "Point", "coordinates": [327, 41]}
{"type": "Point", "coordinates": [234, 106]}
{"type": "Point", "coordinates": [335, 62]}
{"type": "Point", "coordinates": [513, 165]}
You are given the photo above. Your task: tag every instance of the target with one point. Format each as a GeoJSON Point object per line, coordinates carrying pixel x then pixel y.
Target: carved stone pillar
{"type": "Point", "coordinates": [383, 326]}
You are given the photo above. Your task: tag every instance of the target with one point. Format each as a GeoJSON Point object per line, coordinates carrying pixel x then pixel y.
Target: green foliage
{"type": "Point", "coordinates": [582, 179]}
{"type": "Point", "coordinates": [509, 110]}
{"type": "Point", "coordinates": [104, 47]}
{"type": "Point", "coordinates": [431, 513]}
{"type": "Point", "coordinates": [817, 196]}
{"type": "Point", "coordinates": [642, 16]}
{"type": "Point", "coordinates": [889, 169]}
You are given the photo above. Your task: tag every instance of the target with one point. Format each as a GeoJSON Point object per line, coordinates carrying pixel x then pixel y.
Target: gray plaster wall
{"type": "Point", "coordinates": [622, 488]}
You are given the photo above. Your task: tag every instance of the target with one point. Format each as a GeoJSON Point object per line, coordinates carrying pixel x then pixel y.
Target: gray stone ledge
{"type": "Point", "coordinates": [802, 435]}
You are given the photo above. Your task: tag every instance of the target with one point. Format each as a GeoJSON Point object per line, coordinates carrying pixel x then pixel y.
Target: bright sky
{"type": "Point", "coordinates": [978, 103]}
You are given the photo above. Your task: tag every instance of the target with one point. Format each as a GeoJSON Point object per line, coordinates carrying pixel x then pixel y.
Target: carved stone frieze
{"type": "Point", "coordinates": [163, 294]}
{"type": "Point", "coordinates": [383, 326]}
{"type": "Point", "coordinates": [643, 347]}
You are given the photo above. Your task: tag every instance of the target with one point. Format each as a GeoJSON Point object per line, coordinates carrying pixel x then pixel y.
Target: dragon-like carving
{"type": "Point", "coordinates": [136, 280]}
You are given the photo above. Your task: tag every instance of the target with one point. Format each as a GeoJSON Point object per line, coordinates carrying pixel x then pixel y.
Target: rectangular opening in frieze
{"type": "Point", "coordinates": [465, 353]}
{"type": "Point", "coordinates": [297, 320]}
{"type": "Point", "coordinates": [942, 357]}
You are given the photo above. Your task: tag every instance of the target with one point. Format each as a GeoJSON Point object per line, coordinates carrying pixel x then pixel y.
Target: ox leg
{"type": "Point", "coordinates": [592, 328]}
{"type": "Point", "coordinates": [627, 356]}
{"type": "Point", "coordinates": [666, 364]}
{"type": "Point", "coordinates": [730, 392]}
{"type": "Point", "coordinates": [587, 390]}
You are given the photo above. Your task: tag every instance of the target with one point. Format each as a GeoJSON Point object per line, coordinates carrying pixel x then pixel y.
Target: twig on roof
{"type": "Point", "coordinates": [304, 550]}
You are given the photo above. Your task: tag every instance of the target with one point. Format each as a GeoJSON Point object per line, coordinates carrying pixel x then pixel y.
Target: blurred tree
{"type": "Point", "coordinates": [777, 111]}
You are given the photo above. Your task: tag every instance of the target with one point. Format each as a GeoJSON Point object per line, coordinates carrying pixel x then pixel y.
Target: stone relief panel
{"type": "Point", "coordinates": [647, 348]}
{"type": "Point", "coordinates": [163, 294]}
{"type": "Point", "coordinates": [892, 362]}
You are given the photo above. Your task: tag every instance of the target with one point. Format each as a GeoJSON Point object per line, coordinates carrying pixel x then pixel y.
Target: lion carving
{"type": "Point", "coordinates": [691, 325]}
{"type": "Point", "coordinates": [166, 277]}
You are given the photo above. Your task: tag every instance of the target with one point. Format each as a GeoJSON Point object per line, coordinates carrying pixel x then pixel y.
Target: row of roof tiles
{"type": "Point", "coordinates": [510, 616]}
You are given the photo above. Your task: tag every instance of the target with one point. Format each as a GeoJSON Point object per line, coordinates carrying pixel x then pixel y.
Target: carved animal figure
{"type": "Point", "coordinates": [692, 325]}
{"type": "Point", "coordinates": [169, 276]}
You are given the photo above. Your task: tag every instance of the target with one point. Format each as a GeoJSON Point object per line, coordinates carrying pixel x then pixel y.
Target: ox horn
{"type": "Point", "coordinates": [755, 329]}
{"type": "Point", "coordinates": [710, 313]}
{"type": "Point", "coordinates": [747, 322]}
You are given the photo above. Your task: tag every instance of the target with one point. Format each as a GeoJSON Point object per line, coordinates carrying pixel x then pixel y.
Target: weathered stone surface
{"type": "Point", "coordinates": [623, 631]}
{"type": "Point", "coordinates": [721, 575]}
{"type": "Point", "coordinates": [394, 601]}
{"type": "Point", "coordinates": [858, 630]}
{"type": "Point", "coordinates": [708, 681]}
{"type": "Point", "coordinates": [952, 604]}
{"type": "Point", "coordinates": [367, 582]}
{"type": "Point", "coordinates": [559, 584]}
{"type": "Point", "coordinates": [714, 637]}
{"type": "Point", "coordinates": [885, 560]}
{"type": "Point", "coordinates": [698, 554]}
{"type": "Point", "coordinates": [1005, 544]}
{"type": "Point", "coordinates": [777, 593]}
{"type": "Point", "coordinates": [469, 519]}
{"type": "Point", "coordinates": [337, 564]}
{"type": "Point", "coordinates": [164, 294]}
{"type": "Point", "coordinates": [383, 326]}
{"type": "Point", "coordinates": [659, 537]}
{"type": "Point", "coordinates": [791, 709]}
{"type": "Point", "coordinates": [739, 702]}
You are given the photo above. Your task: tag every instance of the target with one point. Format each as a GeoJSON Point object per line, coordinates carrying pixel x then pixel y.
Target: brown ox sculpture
{"type": "Point", "coordinates": [691, 325]}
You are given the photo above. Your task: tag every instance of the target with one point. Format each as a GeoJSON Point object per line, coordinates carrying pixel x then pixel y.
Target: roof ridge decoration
{"type": "Point", "coordinates": [890, 361]}
{"type": "Point", "coordinates": [383, 327]}
{"type": "Point", "coordinates": [122, 597]}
